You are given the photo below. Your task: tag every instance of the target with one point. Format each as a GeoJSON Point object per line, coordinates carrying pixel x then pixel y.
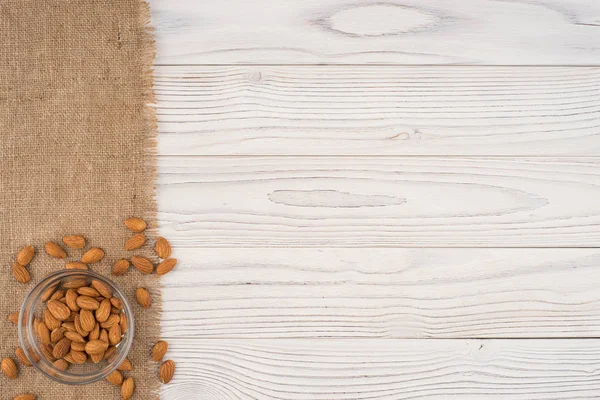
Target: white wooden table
{"type": "Point", "coordinates": [381, 200]}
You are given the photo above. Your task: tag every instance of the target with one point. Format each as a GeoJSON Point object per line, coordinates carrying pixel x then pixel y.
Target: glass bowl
{"type": "Point", "coordinates": [33, 309]}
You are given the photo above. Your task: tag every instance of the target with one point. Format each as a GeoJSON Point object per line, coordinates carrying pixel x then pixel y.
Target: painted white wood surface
{"type": "Point", "coordinates": [383, 293]}
{"type": "Point", "coordinates": [380, 201]}
{"type": "Point", "coordinates": [376, 110]}
{"type": "Point", "coordinates": [514, 32]}
{"type": "Point", "coordinates": [384, 369]}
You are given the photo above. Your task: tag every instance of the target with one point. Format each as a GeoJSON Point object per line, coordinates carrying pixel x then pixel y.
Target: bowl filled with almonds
{"type": "Point", "coordinates": [76, 327]}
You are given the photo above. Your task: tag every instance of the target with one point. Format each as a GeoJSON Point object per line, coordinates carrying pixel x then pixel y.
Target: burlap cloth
{"type": "Point", "coordinates": [77, 156]}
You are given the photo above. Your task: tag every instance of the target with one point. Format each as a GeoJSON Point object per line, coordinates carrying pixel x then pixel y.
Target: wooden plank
{"type": "Point", "coordinates": [489, 32]}
{"type": "Point", "coordinates": [377, 110]}
{"type": "Point", "coordinates": [383, 293]}
{"type": "Point", "coordinates": [380, 201]}
{"type": "Point", "coordinates": [384, 369]}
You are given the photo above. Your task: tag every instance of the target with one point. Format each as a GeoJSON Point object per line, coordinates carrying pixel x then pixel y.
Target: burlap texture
{"type": "Point", "coordinates": [77, 156]}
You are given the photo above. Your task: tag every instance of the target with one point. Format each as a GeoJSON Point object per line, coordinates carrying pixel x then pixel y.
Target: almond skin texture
{"type": "Point", "coordinates": [61, 364]}
{"type": "Point", "coordinates": [78, 328]}
{"type": "Point", "coordinates": [77, 357]}
{"type": "Point", "coordinates": [55, 250]}
{"type": "Point", "coordinates": [88, 291]}
{"type": "Point", "coordinates": [135, 224]}
{"type": "Point", "coordinates": [59, 294]}
{"type": "Point", "coordinates": [114, 335]}
{"type": "Point", "coordinates": [9, 367]}
{"type": "Point", "coordinates": [143, 297]}
{"type": "Point", "coordinates": [21, 356]}
{"type": "Point", "coordinates": [25, 255]}
{"type": "Point", "coordinates": [59, 310]}
{"type": "Point", "coordinates": [127, 388]}
{"type": "Point", "coordinates": [20, 273]}
{"type": "Point", "coordinates": [103, 312]}
{"type": "Point", "coordinates": [112, 320]}
{"type": "Point", "coordinates": [76, 265]}
{"type": "Point", "coordinates": [162, 248]}
{"type": "Point", "coordinates": [74, 337]}
{"type": "Point", "coordinates": [61, 348]}
{"type": "Point", "coordinates": [125, 365]}
{"type": "Point", "coordinates": [167, 370]}
{"type": "Point", "coordinates": [166, 266]}
{"type": "Point", "coordinates": [71, 298]}
{"type": "Point", "coordinates": [87, 320]}
{"type": "Point", "coordinates": [74, 241]}
{"type": "Point", "coordinates": [102, 288]}
{"type": "Point", "coordinates": [120, 267]}
{"type": "Point", "coordinates": [135, 242]}
{"type": "Point", "coordinates": [88, 303]}
{"type": "Point", "coordinates": [115, 378]}
{"type": "Point", "coordinates": [93, 255]}
{"type": "Point", "coordinates": [26, 396]}
{"type": "Point", "coordinates": [50, 320]}
{"type": "Point", "coordinates": [75, 283]}
{"type": "Point", "coordinates": [159, 350]}
{"type": "Point", "coordinates": [96, 346]}
{"type": "Point", "coordinates": [142, 264]}
{"type": "Point", "coordinates": [56, 335]}
{"type": "Point", "coordinates": [14, 317]}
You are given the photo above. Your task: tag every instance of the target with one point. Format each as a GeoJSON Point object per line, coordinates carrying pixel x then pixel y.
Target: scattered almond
{"type": "Point", "coordinates": [9, 367]}
{"type": "Point", "coordinates": [25, 255]}
{"type": "Point", "coordinates": [127, 388]}
{"type": "Point", "coordinates": [135, 224]}
{"type": "Point", "coordinates": [167, 370]}
{"type": "Point", "coordinates": [142, 264]}
{"type": "Point", "coordinates": [14, 317]}
{"type": "Point", "coordinates": [55, 250]}
{"type": "Point", "coordinates": [20, 273]}
{"type": "Point", "coordinates": [93, 255]}
{"type": "Point", "coordinates": [135, 242]}
{"type": "Point", "coordinates": [125, 365]}
{"type": "Point", "coordinates": [76, 265]}
{"type": "Point", "coordinates": [115, 378]}
{"type": "Point", "coordinates": [21, 356]}
{"type": "Point", "coordinates": [162, 248]}
{"type": "Point", "coordinates": [26, 396]}
{"type": "Point", "coordinates": [159, 350]}
{"type": "Point", "coordinates": [74, 241]}
{"type": "Point", "coordinates": [143, 297]}
{"type": "Point", "coordinates": [120, 267]}
{"type": "Point", "coordinates": [166, 266]}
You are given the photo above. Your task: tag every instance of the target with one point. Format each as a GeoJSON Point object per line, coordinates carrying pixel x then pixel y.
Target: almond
{"type": "Point", "coordinates": [120, 267]}
{"type": "Point", "coordinates": [78, 346]}
{"type": "Point", "coordinates": [96, 346]}
{"type": "Point", "coordinates": [103, 336]}
{"type": "Point", "coordinates": [22, 357]}
{"type": "Point", "coordinates": [124, 322]}
{"type": "Point", "coordinates": [87, 320]}
{"type": "Point", "coordinates": [43, 333]}
{"type": "Point", "coordinates": [9, 367]}
{"type": "Point", "coordinates": [57, 334]}
{"type": "Point", "coordinates": [135, 242]}
{"type": "Point", "coordinates": [78, 328]}
{"type": "Point", "coordinates": [125, 365]}
{"type": "Point", "coordinates": [71, 298]}
{"type": "Point", "coordinates": [167, 370]}
{"type": "Point", "coordinates": [88, 291]}
{"type": "Point", "coordinates": [74, 241]}
{"type": "Point", "coordinates": [95, 333]}
{"type": "Point", "coordinates": [14, 317]}
{"type": "Point", "coordinates": [61, 348]}
{"type": "Point", "coordinates": [61, 364]}
{"type": "Point", "coordinates": [69, 327]}
{"type": "Point", "coordinates": [116, 302]}
{"type": "Point", "coordinates": [159, 350]}
{"type": "Point", "coordinates": [96, 357]}
{"type": "Point", "coordinates": [71, 317]}
{"type": "Point", "coordinates": [93, 255]}
{"type": "Point", "coordinates": [142, 264]}
{"type": "Point", "coordinates": [112, 320]}
{"type": "Point", "coordinates": [59, 310]}
{"type": "Point", "coordinates": [88, 303]}
{"type": "Point", "coordinates": [76, 265]}
{"type": "Point", "coordinates": [26, 396]}
{"type": "Point", "coordinates": [143, 297]}
{"type": "Point", "coordinates": [25, 255]}
{"type": "Point", "coordinates": [20, 273]}
{"type": "Point", "coordinates": [48, 293]}
{"type": "Point", "coordinates": [46, 351]}
{"type": "Point", "coordinates": [127, 388]}
{"type": "Point", "coordinates": [75, 283]}
{"type": "Point", "coordinates": [59, 294]}
{"type": "Point", "coordinates": [108, 355]}
{"type": "Point", "coordinates": [50, 320]}
{"type": "Point", "coordinates": [74, 337]}
{"type": "Point", "coordinates": [114, 335]}
{"type": "Point", "coordinates": [135, 224]}
{"type": "Point", "coordinates": [55, 250]}
{"type": "Point", "coordinates": [76, 357]}
{"type": "Point", "coordinates": [166, 266]}
{"type": "Point", "coordinates": [162, 248]}
{"type": "Point", "coordinates": [115, 378]}
{"type": "Point", "coordinates": [102, 288]}
{"type": "Point", "coordinates": [103, 311]}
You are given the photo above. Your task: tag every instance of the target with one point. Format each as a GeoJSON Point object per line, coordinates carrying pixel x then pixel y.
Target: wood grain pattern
{"type": "Point", "coordinates": [384, 369]}
{"type": "Point", "coordinates": [383, 293]}
{"type": "Point", "coordinates": [379, 201]}
{"type": "Point", "coordinates": [510, 32]}
{"type": "Point", "coordinates": [377, 110]}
